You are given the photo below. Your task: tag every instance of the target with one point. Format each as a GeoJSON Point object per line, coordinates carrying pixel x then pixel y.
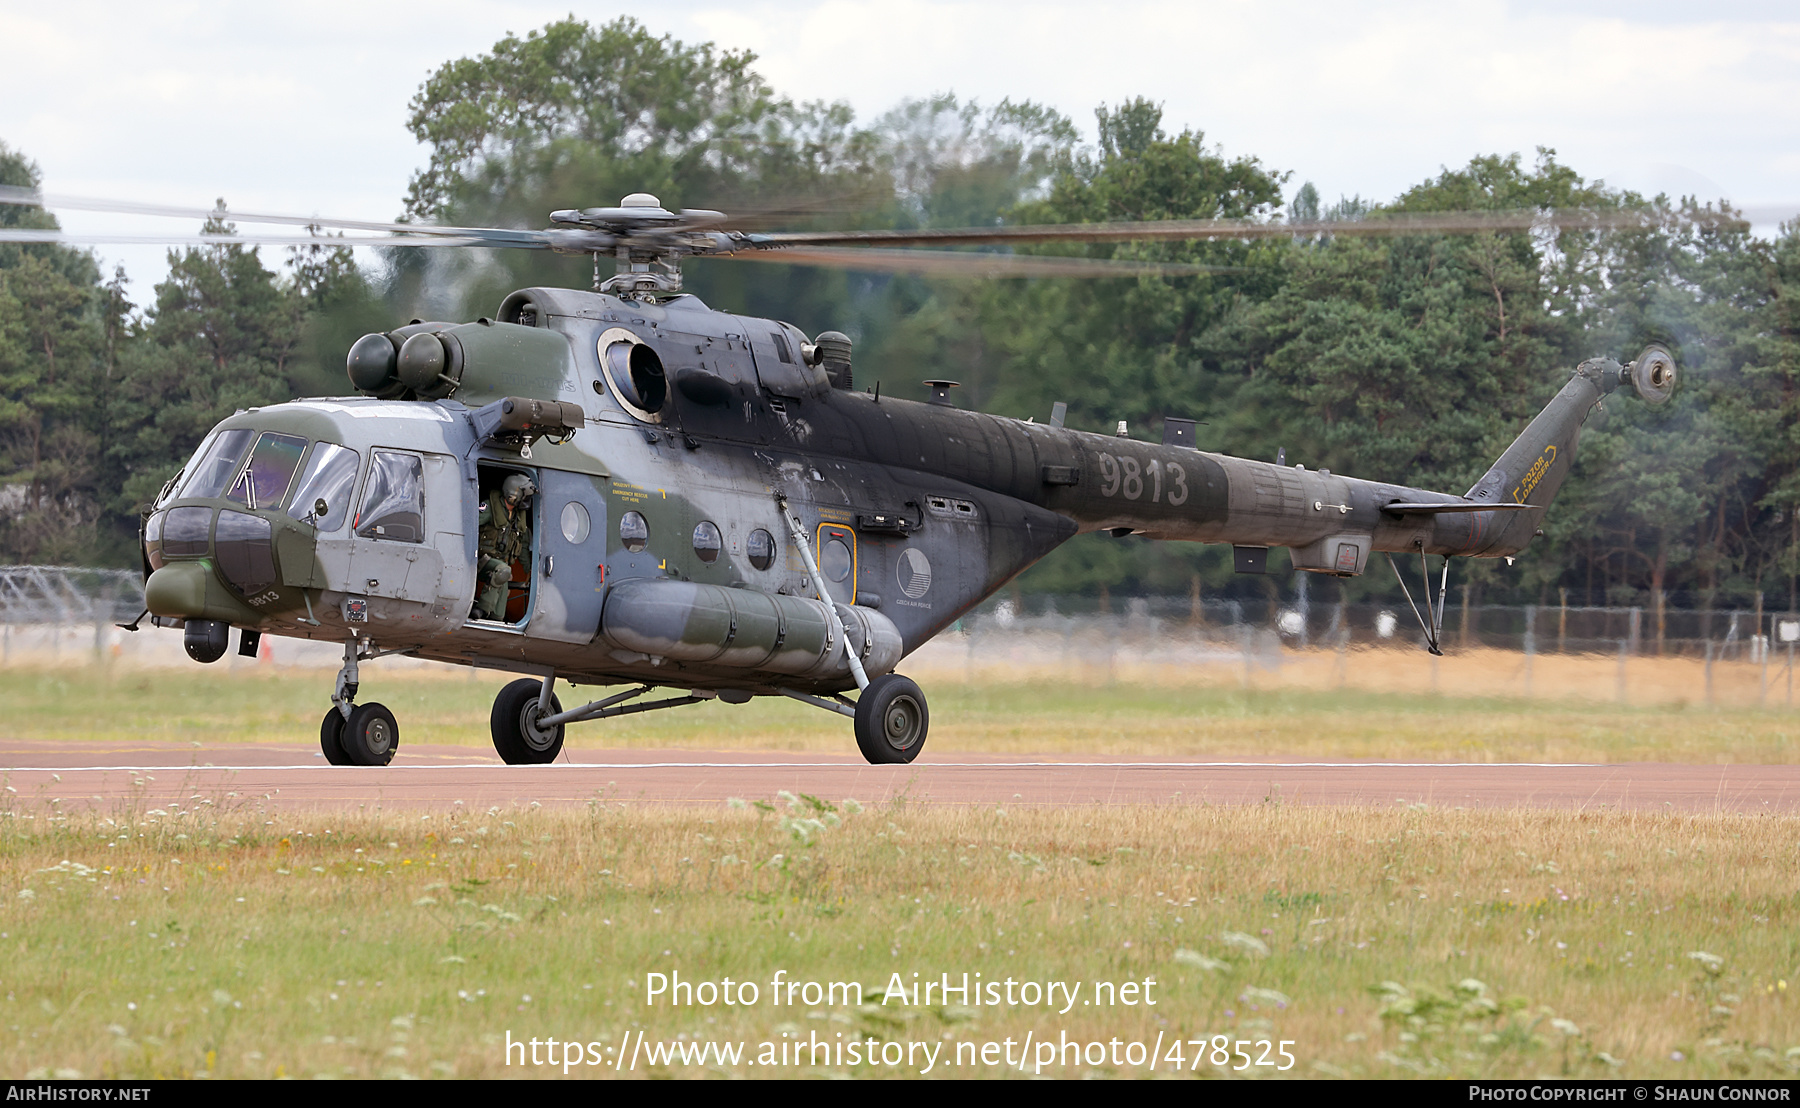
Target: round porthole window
{"type": "Point", "coordinates": [575, 523]}
{"type": "Point", "coordinates": [634, 531]}
{"type": "Point", "coordinates": [836, 562]}
{"type": "Point", "coordinates": [761, 548]}
{"type": "Point", "coordinates": [707, 542]}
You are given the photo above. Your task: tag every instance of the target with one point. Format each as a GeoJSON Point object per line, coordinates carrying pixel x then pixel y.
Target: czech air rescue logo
{"type": "Point", "coordinates": [913, 572]}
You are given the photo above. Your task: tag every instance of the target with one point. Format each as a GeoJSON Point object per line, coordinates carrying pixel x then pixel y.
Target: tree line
{"type": "Point", "coordinates": [1411, 358]}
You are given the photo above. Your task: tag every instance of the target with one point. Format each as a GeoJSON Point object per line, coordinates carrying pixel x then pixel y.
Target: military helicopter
{"type": "Point", "coordinates": [718, 512]}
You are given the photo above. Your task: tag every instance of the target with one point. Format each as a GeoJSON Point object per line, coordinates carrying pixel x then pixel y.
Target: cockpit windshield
{"type": "Point", "coordinates": [207, 476]}
{"type": "Point", "coordinates": [264, 481]}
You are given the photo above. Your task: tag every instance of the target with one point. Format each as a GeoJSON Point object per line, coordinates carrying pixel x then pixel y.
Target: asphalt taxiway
{"type": "Point", "coordinates": [107, 775]}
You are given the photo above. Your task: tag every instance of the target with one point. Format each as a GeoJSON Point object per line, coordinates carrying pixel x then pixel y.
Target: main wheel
{"type": "Point", "coordinates": [370, 735]}
{"type": "Point", "coordinates": [891, 720]}
{"type": "Point", "coordinates": [331, 738]}
{"type": "Point", "coordinates": [517, 736]}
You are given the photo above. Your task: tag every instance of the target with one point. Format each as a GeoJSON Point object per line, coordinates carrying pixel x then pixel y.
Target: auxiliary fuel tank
{"type": "Point", "coordinates": [744, 629]}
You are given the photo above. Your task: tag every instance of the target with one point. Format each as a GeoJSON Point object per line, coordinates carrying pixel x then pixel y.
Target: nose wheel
{"type": "Point", "coordinates": [354, 734]}
{"type": "Point", "coordinates": [370, 737]}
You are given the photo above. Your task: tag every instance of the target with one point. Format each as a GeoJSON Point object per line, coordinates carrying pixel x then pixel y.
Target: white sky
{"type": "Point", "coordinates": [281, 106]}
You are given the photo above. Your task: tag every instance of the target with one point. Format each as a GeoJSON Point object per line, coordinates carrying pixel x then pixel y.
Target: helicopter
{"type": "Point", "coordinates": [715, 510]}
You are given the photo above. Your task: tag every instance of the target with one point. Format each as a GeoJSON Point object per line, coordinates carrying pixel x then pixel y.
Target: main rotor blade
{"type": "Point", "coordinates": [10, 194]}
{"type": "Point", "coordinates": [944, 263]}
{"type": "Point", "coordinates": [62, 238]}
{"type": "Point", "coordinates": [1382, 223]}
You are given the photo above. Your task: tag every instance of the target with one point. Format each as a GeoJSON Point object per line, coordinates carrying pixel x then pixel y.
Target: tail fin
{"type": "Point", "coordinates": [1533, 468]}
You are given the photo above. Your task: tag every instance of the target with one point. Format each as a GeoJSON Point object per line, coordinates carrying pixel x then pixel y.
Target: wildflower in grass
{"type": "Point", "coordinates": [1249, 944]}
{"type": "Point", "coordinates": [1567, 1027]}
{"type": "Point", "coordinates": [1253, 994]}
{"type": "Point", "coordinates": [1711, 963]}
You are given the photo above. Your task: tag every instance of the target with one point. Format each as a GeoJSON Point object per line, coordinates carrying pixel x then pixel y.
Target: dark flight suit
{"type": "Point", "coordinates": [505, 538]}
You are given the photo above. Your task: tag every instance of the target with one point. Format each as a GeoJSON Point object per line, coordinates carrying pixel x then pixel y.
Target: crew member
{"type": "Point", "coordinates": [504, 527]}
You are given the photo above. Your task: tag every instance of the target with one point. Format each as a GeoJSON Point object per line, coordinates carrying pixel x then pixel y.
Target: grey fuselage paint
{"type": "Point", "coordinates": [931, 508]}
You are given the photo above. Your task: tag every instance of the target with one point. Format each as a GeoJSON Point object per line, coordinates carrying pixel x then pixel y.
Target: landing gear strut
{"type": "Point", "coordinates": [1431, 620]}
{"type": "Point", "coordinates": [354, 734]}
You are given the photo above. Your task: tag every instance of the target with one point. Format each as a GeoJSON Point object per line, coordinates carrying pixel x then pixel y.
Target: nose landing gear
{"type": "Point", "coordinates": [354, 734]}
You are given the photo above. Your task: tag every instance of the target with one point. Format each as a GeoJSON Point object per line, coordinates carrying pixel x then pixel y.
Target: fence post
{"type": "Point", "coordinates": [1637, 629]}
{"type": "Point", "coordinates": [1304, 607]}
{"type": "Point", "coordinates": [1621, 676]}
{"type": "Point", "coordinates": [102, 613]}
{"type": "Point", "coordinates": [1465, 621]}
{"type": "Point", "coordinates": [1530, 644]}
{"type": "Point", "coordinates": [1562, 621]}
{"type": "Point", "coordinates": [1709, 683]}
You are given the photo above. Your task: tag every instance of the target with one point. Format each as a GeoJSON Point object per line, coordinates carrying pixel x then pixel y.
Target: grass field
{"type": "Point", "coordinates": [1383, 943]}
{"type": "Point", "coordinates": [219, 940]}
{"type": "Point", "coordinates": [1030, 709]}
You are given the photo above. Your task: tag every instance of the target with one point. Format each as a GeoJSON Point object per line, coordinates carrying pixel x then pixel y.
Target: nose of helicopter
{"type": "Point", "coordinates": [206, 562]}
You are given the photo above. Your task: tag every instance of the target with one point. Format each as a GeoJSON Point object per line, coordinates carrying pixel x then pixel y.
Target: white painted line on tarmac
{"type": "Point", "coordinates": [835, 765]}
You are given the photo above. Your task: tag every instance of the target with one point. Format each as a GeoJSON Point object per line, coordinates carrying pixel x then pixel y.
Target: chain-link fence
{"type": "Point", "coordinates": [67, 596]}
{"type": "Point", "coordinates": [1642, 653]}
{"type": "Point", "coordinates": [1722, 633]}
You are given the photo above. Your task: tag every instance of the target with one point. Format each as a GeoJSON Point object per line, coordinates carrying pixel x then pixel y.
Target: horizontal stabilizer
{"type": "Point", "coordinates": [1452, 506]}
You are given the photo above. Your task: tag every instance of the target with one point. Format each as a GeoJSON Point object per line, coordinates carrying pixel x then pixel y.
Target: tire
{"type": "Point", "coordinates": [891, 720]}
{"type": "Point", "coordinates": [370, 736]}
{"type": "Point", "coordinates": [331, 738]}
{"type": "Point", "coordinates": [517, 737]}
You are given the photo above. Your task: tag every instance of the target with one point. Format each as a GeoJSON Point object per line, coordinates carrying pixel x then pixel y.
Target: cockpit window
{"type": "Point", "coordinates": [207, 475]}
{"type": "Point", "coordinates": [330, 475]}
{"type": "Point", "coordinates": [264, 481]}
{"type": "Point", "coordinates": [393, 506]}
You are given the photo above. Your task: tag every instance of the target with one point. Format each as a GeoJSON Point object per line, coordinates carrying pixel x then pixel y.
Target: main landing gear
{"type": "Point", "coordinates": [891, 717]}
{"type": "Point", "coordinates": [891, 720]}
{"type": "Point", "coordinates": [354, 734]}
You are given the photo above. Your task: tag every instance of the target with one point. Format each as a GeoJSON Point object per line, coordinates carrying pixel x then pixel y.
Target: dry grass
{"type": "Point", "coordinates": [1395, 942]}
{"type": "Point", "coordinates": [1049, 706]}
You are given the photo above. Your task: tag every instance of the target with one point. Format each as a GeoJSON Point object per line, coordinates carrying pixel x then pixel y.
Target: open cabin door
{"type": "Point", "coordinates": [571, 548]}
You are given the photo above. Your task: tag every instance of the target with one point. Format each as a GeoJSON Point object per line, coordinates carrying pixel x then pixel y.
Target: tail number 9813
{"type": "Point", "coordinates": [1129, 476]}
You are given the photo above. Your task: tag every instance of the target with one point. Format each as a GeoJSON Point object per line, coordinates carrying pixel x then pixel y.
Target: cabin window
{"type": "Point", "coordinates": [634, 531]}
{"type": "Point", "coordinates": [761, 548]}
{"type": "Point", "coordinates": [836, 560]}
{"type": "Point", "coordinates": [393, 505]}
{"type": "Point", "coordinates": [707, 541]}
{"type": "Point", "coordinates": [575, 524]}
